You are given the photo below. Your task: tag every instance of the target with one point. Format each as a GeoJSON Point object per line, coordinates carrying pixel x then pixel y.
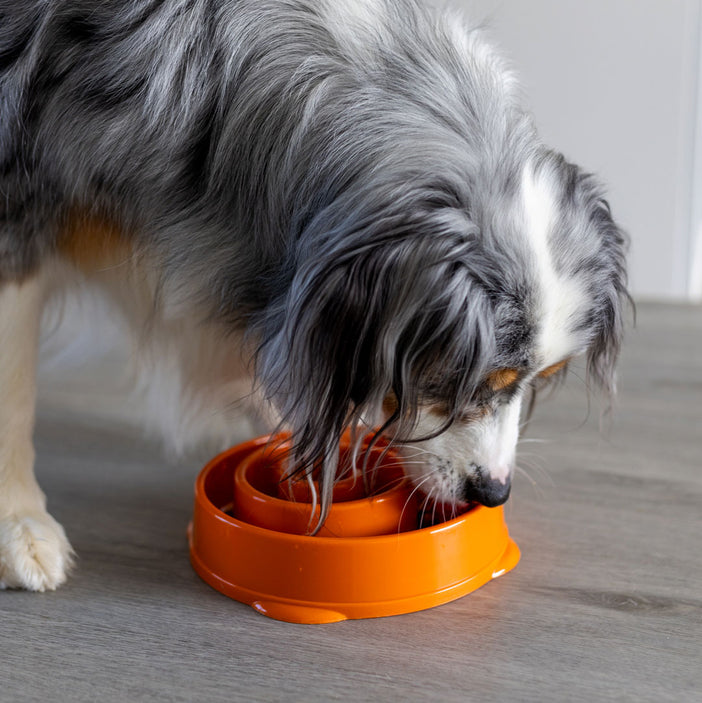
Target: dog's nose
{"type": "Point", "coordinates": [480, 488]}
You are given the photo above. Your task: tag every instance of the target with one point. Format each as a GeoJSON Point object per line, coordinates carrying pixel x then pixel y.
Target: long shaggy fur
{"type": "Point", "coordinates": [339, 184]}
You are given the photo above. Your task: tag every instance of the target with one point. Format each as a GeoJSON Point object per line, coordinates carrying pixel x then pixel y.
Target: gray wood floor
{"type": "Point", "coordinates": [606, 603]}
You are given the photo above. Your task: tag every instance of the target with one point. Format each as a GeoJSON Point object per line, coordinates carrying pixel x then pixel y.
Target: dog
{"type": "Point", "coordinates": [339, 214]}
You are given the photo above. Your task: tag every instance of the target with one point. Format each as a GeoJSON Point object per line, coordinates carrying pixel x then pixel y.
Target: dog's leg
{"type": "Point", "coordinates": [34, 551]}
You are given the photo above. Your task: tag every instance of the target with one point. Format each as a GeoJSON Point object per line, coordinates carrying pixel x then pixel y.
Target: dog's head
{"type": "Point", "coordinates": [435, 317]}
{"type": "Point", "coordinates": [552, 270]}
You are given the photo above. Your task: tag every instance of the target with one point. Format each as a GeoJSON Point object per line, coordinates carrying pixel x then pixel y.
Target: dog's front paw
{"type": "Point", "coordinates": [34, 552]}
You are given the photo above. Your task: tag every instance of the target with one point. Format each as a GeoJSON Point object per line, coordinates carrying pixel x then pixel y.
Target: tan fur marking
{"type": "Point", "coordinates": [93, 243]}
{"type": "Point", "coordinates": [502, 378]}
{"type": "Point", "coordinates": [551, 370]}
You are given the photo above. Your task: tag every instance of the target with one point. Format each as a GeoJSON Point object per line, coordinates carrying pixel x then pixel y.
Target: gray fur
{"type": "Point", "coordinates": [352, 204]}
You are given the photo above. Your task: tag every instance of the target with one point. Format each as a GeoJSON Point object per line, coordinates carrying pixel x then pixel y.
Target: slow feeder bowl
{"type": "Point", "coordinates": [370, 559]}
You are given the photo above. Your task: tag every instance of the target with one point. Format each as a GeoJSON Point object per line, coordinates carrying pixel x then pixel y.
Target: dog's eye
{"type": "Point", "coordinates": [502, 378]}
{"type": "Point", "coordinates": [553, 369]}
{"type": "Point", "coordinates": [462, 417]}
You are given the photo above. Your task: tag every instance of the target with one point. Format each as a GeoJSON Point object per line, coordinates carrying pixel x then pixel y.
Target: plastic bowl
{"type": "Point", "coordinates": [370, 559]}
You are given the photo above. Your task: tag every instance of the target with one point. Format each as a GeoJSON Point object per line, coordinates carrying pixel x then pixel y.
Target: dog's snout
{"type": "Point", "coordinates": [480, 488]}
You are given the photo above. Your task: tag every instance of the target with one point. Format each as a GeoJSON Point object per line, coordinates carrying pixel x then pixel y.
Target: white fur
{"type": "Point", "coordinates": [34, 551]}
{"type": "Point", "coordinates": [352, 21]}
{"type": "Point", "coordinates": [561, 297]}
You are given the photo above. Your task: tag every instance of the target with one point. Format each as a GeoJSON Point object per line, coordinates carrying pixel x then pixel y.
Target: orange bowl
{"type": "Point", "coordinates": [359, 565]}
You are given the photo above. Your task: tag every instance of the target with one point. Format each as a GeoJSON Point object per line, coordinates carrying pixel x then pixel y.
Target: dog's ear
{"type": "Point", "coordinates": [592, 248]}
{"type": "Point", "coordinates": [329, 357]}
{"type": "Point", "coordinates": [611, 297]}
{"type": "Point", "coordinates": [319, 363]}
{"type": "Point", "coordinates": [367, 317]}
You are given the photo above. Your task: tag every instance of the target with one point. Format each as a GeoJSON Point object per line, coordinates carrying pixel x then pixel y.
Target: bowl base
{"type": "Point", "coordinates": [288, 610]}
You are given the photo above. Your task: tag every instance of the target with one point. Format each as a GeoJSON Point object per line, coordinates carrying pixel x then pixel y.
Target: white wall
{"type": "Point", "coordinates": [614, 84]}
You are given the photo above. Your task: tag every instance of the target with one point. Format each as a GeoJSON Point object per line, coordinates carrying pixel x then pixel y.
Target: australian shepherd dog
{"type": "Point", "coordinates": [336, 212]}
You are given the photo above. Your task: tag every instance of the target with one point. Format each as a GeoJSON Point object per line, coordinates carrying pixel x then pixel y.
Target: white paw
{"type": "Point", "coordinates": [34, 552]}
